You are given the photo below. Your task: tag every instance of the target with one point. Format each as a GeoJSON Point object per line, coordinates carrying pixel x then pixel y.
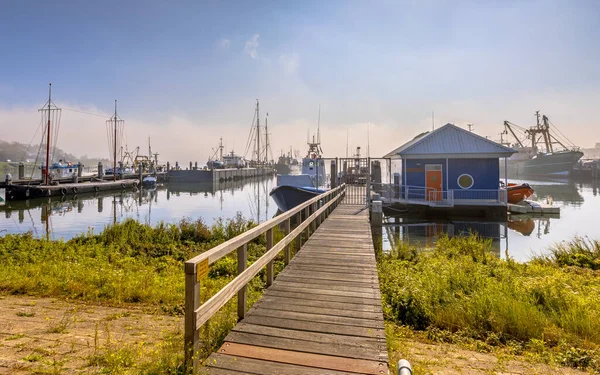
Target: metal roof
{"type": "Point", "coordinates": [450, 141]}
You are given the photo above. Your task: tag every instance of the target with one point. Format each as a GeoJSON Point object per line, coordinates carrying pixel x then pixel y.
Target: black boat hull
{"type": "Point", "coordinates": [559, 164]}
{"type": "Point", "coordinates": [288, 197]}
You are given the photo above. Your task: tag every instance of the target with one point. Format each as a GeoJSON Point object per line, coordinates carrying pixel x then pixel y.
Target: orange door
{"type": "Point", "coordinates": [433, 182]}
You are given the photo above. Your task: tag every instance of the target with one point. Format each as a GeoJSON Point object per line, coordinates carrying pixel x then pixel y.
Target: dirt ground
{"type": "Point", "coordinates": [448, 359]}
{"type": "Point", "coordinates": [45, 335]}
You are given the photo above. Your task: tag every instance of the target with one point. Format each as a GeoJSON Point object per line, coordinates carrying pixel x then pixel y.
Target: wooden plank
{"type": "Point", "coordinates": [365, 287]}
{"type": "Point", "coordinates": [338, 350]}
{"type": "Point", "coordinates": [284, 300]}
{"type": "Point", "coordinates": [301, 325]}
{"type": "Point", "coordinates": [313, 317]}
{"type": "Point", "coordinates": [288, 305]}
{"type": "Point", "coordinates": [326, 292]}
{"type": "Point", "coordinates": [359, 366]}
{"type": "Point", "coordinates": [253, 366]}
{"type": "Point", "coordinates": [325, 338]}
{"type": "Point", "coordinates": [324, 297]}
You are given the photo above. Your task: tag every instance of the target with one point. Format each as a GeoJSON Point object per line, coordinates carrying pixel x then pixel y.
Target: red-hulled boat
{"type": "Point", "coordinates": [516, 193]}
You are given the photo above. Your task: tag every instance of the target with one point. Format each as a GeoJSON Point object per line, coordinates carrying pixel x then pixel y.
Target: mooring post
{"type": "Point", "coordinates": [192, 302]}
{"type": "Point", "coordinates": [79, 169]}
{"type": "Point", "coordinates": [242, 259]}
{"type": "Point", "coordinates": [168, 166]}
{"type": "Point", "coordinates": [190, 165]}
{"type": "Point", "coordinates": [196, 166]}
{"type": "Point", "coordinates": [176, 165]}
{"type": "Point", "coordinates": [21, 172]}
{"type": "Point", "coordinates": [286, 229]}
{"type": "Point", "coordinates": [100, 171]}
{"type": "Point", "coordinates": [269, 235]}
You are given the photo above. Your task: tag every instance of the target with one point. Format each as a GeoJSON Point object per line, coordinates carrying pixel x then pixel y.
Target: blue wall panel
{"type": "Point", "coordinates": [485, 172]}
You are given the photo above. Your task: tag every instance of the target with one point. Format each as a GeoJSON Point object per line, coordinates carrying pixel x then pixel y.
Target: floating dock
{"type": "Point", "coordinates": [23, 192]}
{"type": "Point", "coordinates": [531, 207]}
{"type": "Point", "coordinates": [217, 175]}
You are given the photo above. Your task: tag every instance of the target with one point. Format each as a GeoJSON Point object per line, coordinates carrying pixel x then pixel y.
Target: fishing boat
{"type": "Point", "coordinates": [293, 190]}
{"type": "Point", "coordinates": [542, 150]}
{"type": "Point", "coordinates": [61, 169]}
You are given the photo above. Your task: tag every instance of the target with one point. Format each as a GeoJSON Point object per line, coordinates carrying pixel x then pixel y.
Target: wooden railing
{"type": "Point", "coordinates": [309, 216]}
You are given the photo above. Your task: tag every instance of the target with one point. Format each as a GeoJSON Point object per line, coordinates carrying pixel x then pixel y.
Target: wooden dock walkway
{"type": "Point", "coordinates": [321, 315]}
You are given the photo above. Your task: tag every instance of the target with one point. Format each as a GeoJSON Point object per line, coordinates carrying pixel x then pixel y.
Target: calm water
{"type": "Point", "coordinates": [522, 237]}
{"type": "Point", "coordinates": [65, 218]}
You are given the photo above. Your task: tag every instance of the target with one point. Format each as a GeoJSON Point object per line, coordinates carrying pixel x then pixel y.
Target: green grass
{"type": "Point", "coordinates": [132, 263]}
{"type": "Point", "coordinates": [460, 292]}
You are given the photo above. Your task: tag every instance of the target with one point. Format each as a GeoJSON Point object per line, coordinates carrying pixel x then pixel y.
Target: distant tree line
{"type": "Point", "coordinates": [16, 152]}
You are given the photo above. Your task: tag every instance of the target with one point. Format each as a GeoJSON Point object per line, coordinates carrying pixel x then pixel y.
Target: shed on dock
{"type": "Point", "coordinates": [450, 167]}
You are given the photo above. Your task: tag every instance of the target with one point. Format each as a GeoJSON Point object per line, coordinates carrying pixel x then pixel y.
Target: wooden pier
{"type": "Point", "coordinates": [321, 315]}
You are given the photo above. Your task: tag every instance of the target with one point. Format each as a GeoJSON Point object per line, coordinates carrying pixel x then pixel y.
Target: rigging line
{"type": "Point", "coordinates": [559, 132]}
{"type": "Point", "coordinates": [85, 113]}
{"type": "Point", "coordinates": [37, 157]}
{"type": "Point", "coordinates": [36, 131]}
{"type": "Point", "coordinates": [250, 135]}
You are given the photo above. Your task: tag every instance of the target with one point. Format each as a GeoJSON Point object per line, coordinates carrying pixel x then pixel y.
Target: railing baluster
{"type": "Point", "coordinates": [299, 237]}
{"type": "Point", "coordinates": [287, 228]}
{"type": "Point", "coordinates": [242, 258]}
{"type": "Point", "coordinates": [192, 302]}
{"type": "Point", "coordinates": [269, 235]}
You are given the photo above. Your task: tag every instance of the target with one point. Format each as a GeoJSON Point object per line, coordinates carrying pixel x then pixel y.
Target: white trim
{"type": "Point", "coordinates": [462, 187]}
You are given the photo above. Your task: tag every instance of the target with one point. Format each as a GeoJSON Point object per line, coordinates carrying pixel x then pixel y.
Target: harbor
{"type": "Point", "coordinates": [302, 188]}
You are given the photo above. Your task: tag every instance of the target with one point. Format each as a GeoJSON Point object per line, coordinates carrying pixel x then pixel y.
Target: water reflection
{"type": "Point", "coordinates": [67, 216]}
{"type": "Point", "coordinates": [522, 236]}
{"type": "Point", "coordinates": [425, 234]}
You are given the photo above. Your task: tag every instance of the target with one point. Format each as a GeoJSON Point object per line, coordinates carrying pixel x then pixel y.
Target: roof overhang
{"type": "Point", "coordinates": [453, 156]}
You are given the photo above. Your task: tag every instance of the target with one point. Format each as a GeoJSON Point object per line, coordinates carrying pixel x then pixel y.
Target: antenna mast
{"type": "Point", "coordinates": [368, 142]}
{"type": "Point", "coordinates": [319, 126]}
{"type": "Point", "coordinates": [347, 132]}
{"type": "Point", "coordinates": [257, 133]}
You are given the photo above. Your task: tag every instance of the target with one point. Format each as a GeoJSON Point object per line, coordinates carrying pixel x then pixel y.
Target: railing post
{"type": "Point", "coordinates": [317, 220]}
{"type": "Point", "coordinates": [242, 259]}
{"type": "Point", "coordinates": [287, 229]}
{"type": "Point", "coordinates": [299, 237]}
{"type": "Point", "coordinates": [269, 235]}
{"type": "Point", "coordinates": [309, 226]}
{"type": "Point", "coordinates": [192, 302]}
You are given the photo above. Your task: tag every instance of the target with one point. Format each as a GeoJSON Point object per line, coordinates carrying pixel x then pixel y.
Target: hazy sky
{"type": "Point", "coordinates": [188, 72]}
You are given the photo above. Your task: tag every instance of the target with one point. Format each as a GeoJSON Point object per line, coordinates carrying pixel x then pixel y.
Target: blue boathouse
{"type": "Point", "coordinates": [450, 167]}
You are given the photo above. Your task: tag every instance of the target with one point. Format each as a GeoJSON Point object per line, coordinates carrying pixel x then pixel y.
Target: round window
{"type": "Point", "coordinates": [465, 181]}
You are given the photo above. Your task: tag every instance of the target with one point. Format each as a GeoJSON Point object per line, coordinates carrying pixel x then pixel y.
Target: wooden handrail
{"type": "Point", "coordinates": [227, 247]}
{"type": "Point", "coordinates": [196, 315]}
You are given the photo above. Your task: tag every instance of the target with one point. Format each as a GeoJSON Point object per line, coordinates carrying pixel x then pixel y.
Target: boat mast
{"type": "Point", "coordinates": [115, 147]}
{"type": "Point", "coordinates": [221, 149]}
{"type": "Point", "coordinates": [266, 138]}
{"type": "Point", "coordinates": [48, 135]}
{"type": "Point", "coordinates": [257, 132]}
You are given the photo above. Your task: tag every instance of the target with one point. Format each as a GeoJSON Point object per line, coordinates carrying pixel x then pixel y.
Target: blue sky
{"type": "Point", "coordinates": [193, 69]}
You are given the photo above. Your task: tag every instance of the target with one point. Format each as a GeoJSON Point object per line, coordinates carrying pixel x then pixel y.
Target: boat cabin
{"type": "Point", "coordinates": [450, 166]}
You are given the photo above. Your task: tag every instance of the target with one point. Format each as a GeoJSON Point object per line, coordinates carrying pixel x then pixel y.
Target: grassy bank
{"type": "Point", "coordinates": [131, 264]}
{"type": "Point", "coordinates": [459, 292]}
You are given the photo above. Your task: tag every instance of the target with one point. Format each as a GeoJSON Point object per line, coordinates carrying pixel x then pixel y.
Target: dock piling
{"type": "Point", "coordinates": [21, 171]}
{"type": "Point", "coordinates": [100, 171]}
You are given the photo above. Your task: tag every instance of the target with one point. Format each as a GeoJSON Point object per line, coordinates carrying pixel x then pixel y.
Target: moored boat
{"type": "Point", "coordinates": [516, 193]}
{"type": "Point", "coordinates": [548, 153]}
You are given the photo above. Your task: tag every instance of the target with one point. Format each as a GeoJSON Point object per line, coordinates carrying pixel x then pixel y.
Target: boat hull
{"type": "Point", "coordinates": [517, 193]}
{"type": "Point", "coordinates": [558, 164]}
{"type": "Point", "coordinates": [288, 197]}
